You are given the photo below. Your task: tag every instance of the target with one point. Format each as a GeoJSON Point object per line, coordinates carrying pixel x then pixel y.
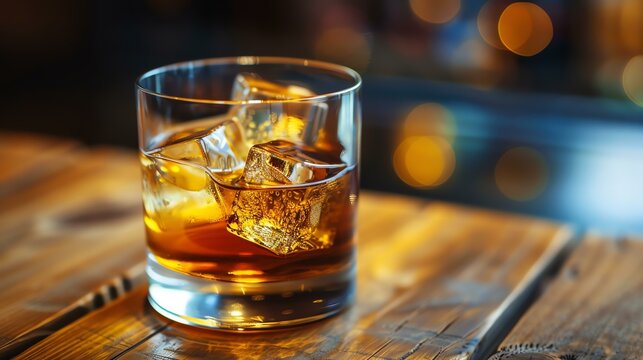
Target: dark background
{"type": "Point", "coordinates": [554, 134]}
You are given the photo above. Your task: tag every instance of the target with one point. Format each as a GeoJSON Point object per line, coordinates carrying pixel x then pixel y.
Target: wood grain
{"type": "Point", "coordinates": [27, 158]}
{"type": "Point", "coordinates": [593, 310]}
{"type": "Point", "coordinates": [70, 240]}
{"type": "Point", "coordinates": [434, 281]}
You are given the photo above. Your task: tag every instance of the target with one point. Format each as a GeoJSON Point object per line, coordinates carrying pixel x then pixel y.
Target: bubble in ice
{"type": "Point", "coordinates": [281, 162]}
{"type": "Point", "coordinates": [295, 121]}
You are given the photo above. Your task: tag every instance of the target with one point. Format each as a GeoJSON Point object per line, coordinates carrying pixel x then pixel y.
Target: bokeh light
{"type": "Point", "coordinates": [525, 28]}
{"type": "Point", "coordinates": [633, 79]}
{"type": "Point", "coordinates": [345, 46]}
{"type": "Point", "coordinates": [480, 65]}
{"type": "Point", "coordinates": [430, 119]}
{"type": "Point", "coordinates": [631, 17]}
{"type": "Point", "coordinates": [435, 11]}
{"type": "Point", "coordinates": [488, 23]}
{"type": "Point", "coordinates": [521, 174]}
{"type": "Point", "coordinates": [424, 161]}
{"type": "Point", "coordinates": [608, 77]}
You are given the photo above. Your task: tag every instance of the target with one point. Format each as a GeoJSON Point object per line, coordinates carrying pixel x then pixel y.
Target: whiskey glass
{"type": "Point", "coordinates": [250, 189]}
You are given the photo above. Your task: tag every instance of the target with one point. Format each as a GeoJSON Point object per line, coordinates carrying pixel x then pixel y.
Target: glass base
{"type": "Point", "coordinates": [224, 305]}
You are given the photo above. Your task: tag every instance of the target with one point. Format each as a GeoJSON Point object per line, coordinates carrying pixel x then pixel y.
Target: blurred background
{"type": "Point", "coordinates": [535, 107]}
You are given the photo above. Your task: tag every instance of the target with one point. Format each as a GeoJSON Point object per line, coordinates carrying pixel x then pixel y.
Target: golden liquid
{"type": "Point", "coordinates": [202, 225]}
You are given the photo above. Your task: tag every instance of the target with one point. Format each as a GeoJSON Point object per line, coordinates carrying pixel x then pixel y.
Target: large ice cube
{"type": "Point", "coordinates": [295, 121]}
{"type": "Point", "coordinates": [219, 149]}
{"type": "Point", "coordinates": [290, 219]}
{"type": "Point", "coordinates": [281, 162]}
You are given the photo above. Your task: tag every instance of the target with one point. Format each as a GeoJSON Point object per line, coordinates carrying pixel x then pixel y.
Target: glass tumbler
{"type": "Point", "coordinates": [250, 187]}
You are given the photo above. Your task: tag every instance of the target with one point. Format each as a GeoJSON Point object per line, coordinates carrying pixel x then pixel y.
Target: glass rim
{"type": "Point", "coordinates": [253, 60]}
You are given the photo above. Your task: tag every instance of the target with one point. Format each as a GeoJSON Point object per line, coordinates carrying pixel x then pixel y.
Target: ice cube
{"type": "Point", "coordinates": [187, 150]}
{"type": "Point", "coordinates": [289, 219]}
{"type": "Point", "coordinates": [178, 164]}
{"type": "Point", "coordinates": [295, 121]}
{"type": "Point", "coordinates": [224, 148]}
{"type": "Point", "coordinates": [183, 175]}
{"type": "Point", "coordinates": [250, 86]}
{"type": "Point", "coordinates": [281, 162]}
{"type": "Point", "coordinates": [189, 198]}
{"type": "Point", "coordinates": [219, 149]}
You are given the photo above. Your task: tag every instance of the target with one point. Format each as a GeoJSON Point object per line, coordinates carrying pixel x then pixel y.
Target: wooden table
{"type": "Point", "coordinates": [435, 280]}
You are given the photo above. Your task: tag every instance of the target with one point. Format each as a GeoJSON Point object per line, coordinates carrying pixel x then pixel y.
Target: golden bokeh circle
{"type": "Point", "coordinates": [525, 28]}
{"type": "Point", "coordinates": [487, 22]}
{"type": "Point", "coordinates": [424, 161]}
{"type": "Point", "coordinates": [435, 11]}
{"type": "Point", "coordinates": [521, 174]}
{"type": "Point", "coordinates": [430, 119]}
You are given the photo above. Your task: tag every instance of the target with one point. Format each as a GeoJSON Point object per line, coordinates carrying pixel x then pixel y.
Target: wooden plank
{"type": "Point", "coordinates": [123, 334]}
{"type": "Point", "coordinates": [27, 158]}
{"type": "Point", "coordinates": [438, 282]}
{"type": "Point", "coordinates": [69, 243]}
{"type": "Point", "coordinates": [593, 309]}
